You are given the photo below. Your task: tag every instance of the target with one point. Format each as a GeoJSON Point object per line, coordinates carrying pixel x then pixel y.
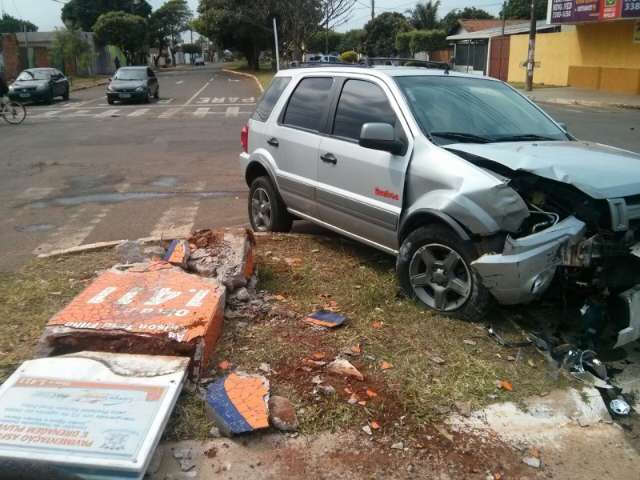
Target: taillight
{"type": "Point", "coordinates": [244, 138]}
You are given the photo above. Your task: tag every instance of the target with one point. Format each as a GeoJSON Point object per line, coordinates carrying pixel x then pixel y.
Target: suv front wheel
{"type": "Point", "coordinates": [267, 211]}
{"type": "Point", "coordinates": [434, 268]}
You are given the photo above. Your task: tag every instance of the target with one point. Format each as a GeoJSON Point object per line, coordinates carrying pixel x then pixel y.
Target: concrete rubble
{"type": "Point", "coordinates": [282, 414]}
{"type": "Point", "coordinates": [344, 368]}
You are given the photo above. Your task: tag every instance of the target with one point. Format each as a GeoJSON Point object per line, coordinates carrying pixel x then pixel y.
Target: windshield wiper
{"type": "Point", "coordinates": [525, 137]}
{"type": "Point", "coordinates": [463, 137]}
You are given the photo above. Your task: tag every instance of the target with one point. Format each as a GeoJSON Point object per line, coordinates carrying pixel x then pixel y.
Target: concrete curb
{"type": "Point", "coordinates": [242, 74]}
{"type": "Point", "coordinates": [584, 103]}
{"type": "Point", "coordinates": [87, 87]}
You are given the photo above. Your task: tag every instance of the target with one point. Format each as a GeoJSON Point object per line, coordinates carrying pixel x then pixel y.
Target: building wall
{"type": "Point", "coordinates": [596, 55]}
{"type": "Point", "coordinates": [11, 56]}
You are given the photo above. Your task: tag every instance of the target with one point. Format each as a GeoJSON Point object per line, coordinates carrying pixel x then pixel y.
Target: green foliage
{"type": "Point", "coordinates": [191, 48]}
{"type": "Point", "coordinates": [69, 46]}
{"type": "Point", "coordinates": [9, 24]}
{"type": "Point", "coordinates": [425, 15]}
{"type": "Point", "coordinates": [167, 22]}
{"type": "Point", "coordinates": [352, 40]}
{"type": "Point", "coordinates": [124, 30]}
{"type": "Point", "coordinates": [450, 21]}
{"type": "Point", "coordinates": [420, 41]}
{"type": "Point", "coordinates": [325, 42]}
{"type": "Point", "coordinates": [349, 56]}
{"type": "Point", "coordinates": [83, 14]}
{"type": "Point", "coordinates": [522, 9]}
{"type": "Point", "coordinates": [381, 32]}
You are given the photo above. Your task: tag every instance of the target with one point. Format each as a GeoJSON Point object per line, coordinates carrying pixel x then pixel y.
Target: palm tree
{"type": "Point", "coordinates": [425, 15]}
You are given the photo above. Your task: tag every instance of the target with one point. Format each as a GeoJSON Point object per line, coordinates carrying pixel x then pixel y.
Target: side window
{"type": "Point", "coordinates": [308, 102]}
{"type": "Point", "coordinates": [361, 102]}
{"type": "Point", "coordinates": [270, 98]}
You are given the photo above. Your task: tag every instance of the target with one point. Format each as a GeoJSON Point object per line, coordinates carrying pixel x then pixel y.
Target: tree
{"type": "Point", "coordinates": [325, 40]}
{"type": "Point", "coordinates": [124, 30]}
{"type": "Point", "coordinates": [522, 9]}
{"type": "Point", "coordinates": [425, 15]}
{"type": "Point", "coordinates": [381, 32]}
{"type": "Point", "coordinates": [349, 56]}
{"type": "Point", "coordinates": [191, 48]}
{"type": "Point", "coordinates": [167, 23]}
{"type": "Point", "coordinates": [9, 24]}
{"type": "Point", "coordinates": [450, 21]}
{"type": "Point", "coordinates": [352, 40]}
{"type": "Point", "coordinates": [69, 48]}
{"type": "Point", "coordinates": [420, 41]}
{"type": "Point", "coordinates": [83, 14]}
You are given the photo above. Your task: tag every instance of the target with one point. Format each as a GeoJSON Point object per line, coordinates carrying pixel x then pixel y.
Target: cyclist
{"type": "Point", "coordinates": [4, 90]}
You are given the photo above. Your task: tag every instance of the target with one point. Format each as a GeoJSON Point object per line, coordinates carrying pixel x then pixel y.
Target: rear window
{"type": "Point", "coordinates": [308, 102]}
{"type": "Point", "coordinates": [270, 98]}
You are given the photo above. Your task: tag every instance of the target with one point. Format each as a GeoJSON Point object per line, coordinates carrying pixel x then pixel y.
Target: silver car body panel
{"type": "Point", "coordinates": [631, 299]}
{"type": "Point", "coordinates": [526, 267]}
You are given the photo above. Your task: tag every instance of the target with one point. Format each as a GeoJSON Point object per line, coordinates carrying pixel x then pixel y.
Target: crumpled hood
{"type": "Point", "coordinates": [598, 170]}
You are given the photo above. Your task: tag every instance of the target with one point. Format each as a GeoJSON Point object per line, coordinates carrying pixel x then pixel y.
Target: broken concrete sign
{"type": "Point", "coordinates": [178, 253]}
{"type": "Point", "coordinates": [344, 368]}
{"type": "Point", "coordinates": [238, 403]}
{"type": "Point", "coordinates": [325, 318]}
{"type": "Point", "coordinates": [88, 415]}
{"type": "Point", "coordinates": [153, 309]}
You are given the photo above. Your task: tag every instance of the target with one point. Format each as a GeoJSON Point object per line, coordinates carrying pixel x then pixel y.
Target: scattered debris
{"type": "Point", "coordinates": [107, 410]}
{"type": "Point", "coordinates": [438, 360]}
{"type": "Point", "coordinates": [264, 368]}
{"type": "Point", "coordinates": [375, 425]}
{"type": "Point", "coordinates": [129, 252]}
{"type": "Point", "coordinates": [238, 403]}
{"type": "Point", "coordinates": [376, 325]}
{"type": "Point", "coordinates": [384, 365]}
{"type": "Point", "coordinates": [215, 432]}
{"type": "Point", "coordinates": [318, 356]}
{"type": "Point", "coordinates": [619, 406]}
{"type": "Point", "coordinates": [178, 253]}
{"type": "Point", "coordinates": [151, 309]}
{"type": "Point", "coordinates": [325, 318]}
{"type": "Point", "coordinates": [397, 446]}
{"type": "Point", "coordinates": [533, 462]}
{"type": "Point", "coordinates": [224, 365]}
{"type": "Point", "coordinates": [464, 408]}
{"type": "Point", "coordinates": [504, 385]}
{"type": "Point", "coordinates": [242, 295]}
{"type": "Point", "coordinates": [344, 368]}
{"type": "Point", "coordinates": [282, 414]}
{"type": "Point", "coordinates": [316, 380]}
{"type": "Point", "coordinates": [367, 429]}
{"type": "Point", "coordinates": [326, 390]}
{"type": "Point", "coordinates": [473, 343]}
{"type": "Point", "coordinates": [371, 393]}
{"type": "Point", "coordinates": [185, 459]}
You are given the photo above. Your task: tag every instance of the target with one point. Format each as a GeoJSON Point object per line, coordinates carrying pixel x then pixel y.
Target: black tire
{"type": "Point", "coordinates": [66, 94]}
{"type": "Point", "coordinates": [49, 99]}
{"type": "Point", "coordinates": [279, 220]}
{"type": "Point", "coordinates": [474, 304]}
{"type": "Point", "coordinates": [157, 94]}
{"type": "Point", "coordinates": [110, 101]}
{"type": "Point", "coordinates": [147, 98]}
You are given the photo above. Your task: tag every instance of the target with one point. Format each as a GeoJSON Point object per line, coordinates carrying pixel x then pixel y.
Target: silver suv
{"type": "Point", "coordinates": [476, 190]}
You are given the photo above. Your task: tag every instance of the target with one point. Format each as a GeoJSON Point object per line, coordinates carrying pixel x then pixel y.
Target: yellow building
{"type": "Point", "coordinates": [599, 49]}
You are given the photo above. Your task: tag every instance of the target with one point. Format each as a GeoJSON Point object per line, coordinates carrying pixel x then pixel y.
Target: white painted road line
{"type": "Point", "coordinates": [107, 113]}
{"type": "Point", "coordinates": [178, 221]}
{"type": "Point", "coordinates": [166, 101]}
{"type": "Point", "coordinates": [179, 82]}
{"type": "Point", "coordinates": [50, 114]}
{"type": "Point", "coordinates": [201, 112]}
{"type": "Point", "coordinates": [197, 94]}
{"type": "Point", "coordinates": [139, 112]}
{"type": "Point", "coordinates": [170, 113]}
{"type": "Point", "coordinates": [232, 112]}
{"type": "Point", "coordinates": [35, 193]}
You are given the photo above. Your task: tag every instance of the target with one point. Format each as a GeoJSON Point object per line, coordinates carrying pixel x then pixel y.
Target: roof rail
{"type": "Point", "coordinates": [406, 62]}
{"type": "Point", "coordinates": [325, 64]}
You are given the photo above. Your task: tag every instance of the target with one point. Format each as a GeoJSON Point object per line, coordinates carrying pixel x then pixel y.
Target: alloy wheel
{"type": "Point", "coordinates": [440, 277]}
{"type": "Point", "coordinates": [261, 210]}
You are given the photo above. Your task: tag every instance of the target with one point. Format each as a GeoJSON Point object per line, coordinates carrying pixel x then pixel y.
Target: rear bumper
{"type": "Point", "coordinates": [526, 267]}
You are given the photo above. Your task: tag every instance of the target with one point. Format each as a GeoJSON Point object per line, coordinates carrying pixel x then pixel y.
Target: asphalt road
{"type": "Point", "coordinates": [83, 171]}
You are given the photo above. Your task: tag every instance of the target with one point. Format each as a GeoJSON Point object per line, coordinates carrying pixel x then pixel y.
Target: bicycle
{"type": "Point", "coordinates": [13, 112]}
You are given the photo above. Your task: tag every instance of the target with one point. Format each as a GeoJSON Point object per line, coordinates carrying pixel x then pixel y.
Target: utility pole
{"type": "Point", "coordinates": [504, 17]}
{"type": "Point", "coordinates": [275, 39]}
{"type": "Point", "coordinates": [532, 48]}
{"type": "Point", "coordinates": [373, 9]}
{"type": "Point", "coordinates": [26, 44]}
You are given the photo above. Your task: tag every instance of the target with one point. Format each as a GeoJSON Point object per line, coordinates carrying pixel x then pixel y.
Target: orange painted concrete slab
{"type": "Point", "coordinates": [153, 309]}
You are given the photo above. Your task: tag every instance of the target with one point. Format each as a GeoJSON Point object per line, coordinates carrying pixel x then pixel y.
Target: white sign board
{"type": "Point", "coordinates": [95, 415]}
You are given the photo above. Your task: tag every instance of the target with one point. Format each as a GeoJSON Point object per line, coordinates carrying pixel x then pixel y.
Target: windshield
{"type": "Point", "coordinates": [459, 109]}
{"type": "Point", "coordinates": [130, 74]}
{"type": "Point", "coordinates": [30, 75]}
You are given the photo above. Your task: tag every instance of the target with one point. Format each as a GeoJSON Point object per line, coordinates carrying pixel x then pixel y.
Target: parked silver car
{"type": "Point", "coordinates": [476, 190]}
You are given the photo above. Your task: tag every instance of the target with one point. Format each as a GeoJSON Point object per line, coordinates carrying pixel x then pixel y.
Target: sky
{"type": "Point", "coordinates": [46, 13]}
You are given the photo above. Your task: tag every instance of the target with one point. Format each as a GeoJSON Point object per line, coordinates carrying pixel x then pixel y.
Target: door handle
{"type": "Point", "coordinates": [329, 158]}
{"type": "Point", "coordinates": [273, 142]}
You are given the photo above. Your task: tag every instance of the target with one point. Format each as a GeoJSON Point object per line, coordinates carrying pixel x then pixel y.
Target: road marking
{"type": "Point", "coordinates": [233, 99]}
{"type": "Point", "coordinates": [166, 101]}
{"type": "Point", "coordinates": [197, 94]}
{"type": "Point", "coordinates": [74, 232]}
{"type": "Point", "coordinates": [170, 113]}
{"type": "Point", "coordinates": [232, 112]}
{"type": "Point", "coordinates": [179, 82]}
{"type": "Point", "coordinates": [35, 193]}
{"type": "Point", "coordinates": [218, 100]}
{"type": "Point", "coordinates": [248, 100]}
{"type": "Point", "coordinates": [77, 113]}
{"type": "Point", "coordinates": [202, 100]}
{"type": "Point", "coordinates": [53, 113]}
{"type": "Point", "coordinates": [107, 113]}
{"type": "Point", "coordinates": [139, 112]}
{"type": "Point", "coordinates": [178, 221]}
{"type": "Point", "coordinates": [201, 112]}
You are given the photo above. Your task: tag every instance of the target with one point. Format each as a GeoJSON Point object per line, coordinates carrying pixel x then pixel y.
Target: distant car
{"type": "Point", "coordinates": [133, 84]}
{"type": "Point", "coordinates": [324, 59]}
{"type": "Point", "coordinates": [199, 61]}
{"type": "Point", "coordinates": [39, 85]}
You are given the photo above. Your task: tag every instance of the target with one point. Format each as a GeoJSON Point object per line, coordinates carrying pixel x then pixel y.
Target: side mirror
{"type": "Point", "coordinates": [381, 136]}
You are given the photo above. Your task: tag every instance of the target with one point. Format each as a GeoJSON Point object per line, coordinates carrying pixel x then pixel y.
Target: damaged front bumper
{"type": "Point", "coordinates": [526, 267]}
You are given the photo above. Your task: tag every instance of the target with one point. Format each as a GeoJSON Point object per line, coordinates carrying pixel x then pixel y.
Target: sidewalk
{"type": "Point", "coordinates": [578, 96]}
